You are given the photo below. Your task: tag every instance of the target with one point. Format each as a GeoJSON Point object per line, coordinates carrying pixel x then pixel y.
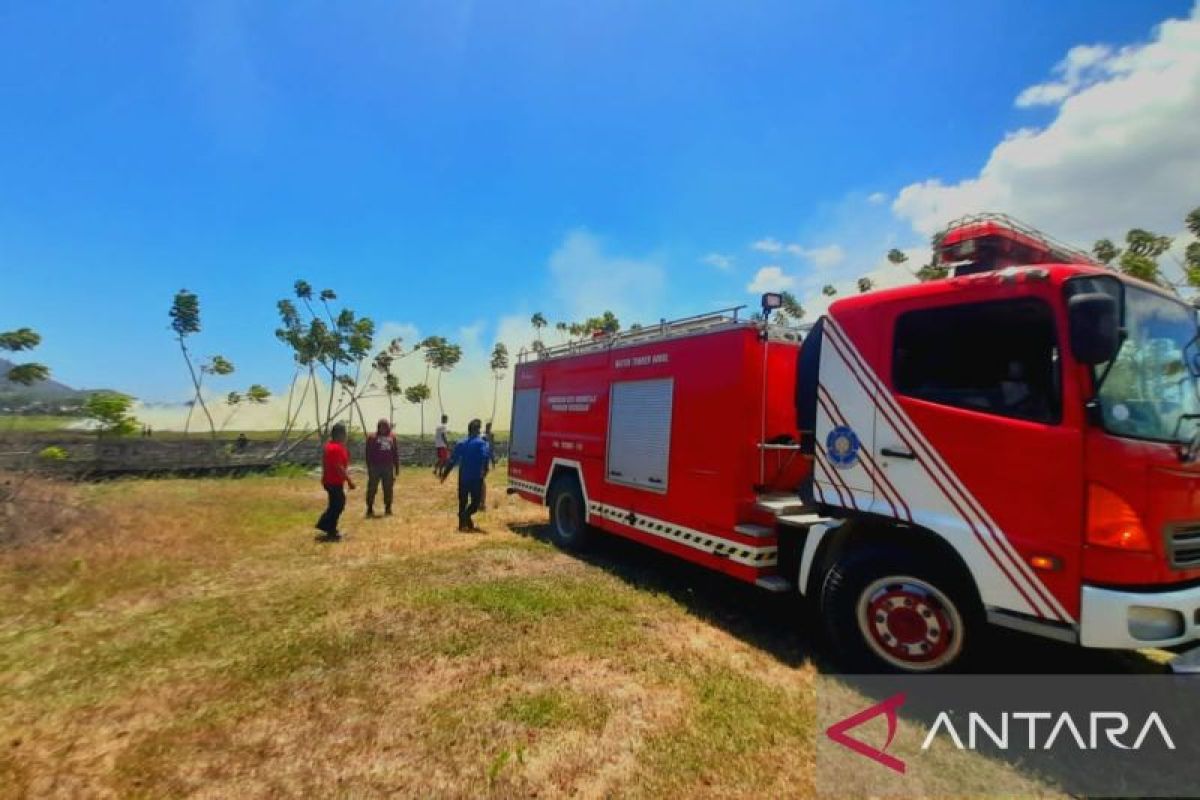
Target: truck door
{"type": "Point", "coordinates": [973, 442]}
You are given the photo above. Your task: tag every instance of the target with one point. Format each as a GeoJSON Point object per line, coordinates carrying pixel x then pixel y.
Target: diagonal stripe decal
{"type": "Point", "coordinates": [991, 539]}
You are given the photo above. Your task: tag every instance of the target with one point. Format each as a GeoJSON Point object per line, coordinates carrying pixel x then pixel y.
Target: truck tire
{"type": "Point", "coordinates": [568, 528]}
{"type": "Point", "coordinates": [888, 610]}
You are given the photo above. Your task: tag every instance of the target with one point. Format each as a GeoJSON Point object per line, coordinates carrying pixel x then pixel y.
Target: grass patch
{"type": "Point", "coordinates": [188, 636]}
{"type": "Point", "coordinates": [35, 423]}
{"type": "Point", "coordinates": [554, 708]}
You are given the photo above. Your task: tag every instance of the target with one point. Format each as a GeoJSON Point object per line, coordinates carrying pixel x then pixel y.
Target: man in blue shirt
{"type": "Point", "coordinates": [472, 456]}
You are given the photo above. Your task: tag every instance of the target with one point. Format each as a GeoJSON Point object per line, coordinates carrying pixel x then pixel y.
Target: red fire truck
{"type": "Point", "coordinates": [1015, 444]}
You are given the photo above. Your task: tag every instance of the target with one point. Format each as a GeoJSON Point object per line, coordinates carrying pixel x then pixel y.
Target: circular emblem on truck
{"type": "Point", "coordinates": [842, 446]}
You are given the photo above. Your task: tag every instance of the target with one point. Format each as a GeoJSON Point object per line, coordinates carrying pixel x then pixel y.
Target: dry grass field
{"type": "Point", "coordinates": [188, 637]}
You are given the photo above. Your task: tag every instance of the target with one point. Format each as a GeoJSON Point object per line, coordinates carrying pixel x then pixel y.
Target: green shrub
{"type": "Point", "coordinates": [288, 470]}
{"type": "Point", "coordinates": [53, 453]}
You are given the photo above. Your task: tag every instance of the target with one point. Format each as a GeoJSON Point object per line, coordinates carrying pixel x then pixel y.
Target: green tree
{"type": "Point", "coordinates": [15, 342]}
{"type": "Point", "coordinates": [538, 321]}
{"type": "Point", "coordinates": [828, 290]}
{"type": "Point", "coordinates": [605, 323]}
{"type": "Point", "coordinates": [255, 395]}
{"type": "Point", "coordinates": [110, 412]}
{"type": "Point", "coordinates": [336, 343]}
{"type": "Point", "coordinates": [185, 322]}
{"type": "Point", "coordinates": [865, 285]}
{"type": "Point", "coordinates": [1142, 252]}
{"type": "Point", "coordinates": [932, 272]}
{"type": "Point", "coordinates": [417, 394]}
{"type": "Point", "coordinates": [441, 355]}
{"type": "Point", "coordinates": [1105, 251]}
{"type": "Point", "coordinates": [499, 364]}
{"type": "Point", "coordinates": [790, 311]}
{"type": "Point", "coordinates": [1191, 253]}
{"type": "Point", "coordinates": [896, 257]}
{"type": "Point", "coordinates": [384, 364]}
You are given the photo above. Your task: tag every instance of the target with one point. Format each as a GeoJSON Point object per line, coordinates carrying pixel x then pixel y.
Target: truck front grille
{"type": "Point", "coordinates": [1183, 545]}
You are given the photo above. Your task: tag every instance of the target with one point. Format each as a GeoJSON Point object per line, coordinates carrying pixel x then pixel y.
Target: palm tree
{"type": "Point", "coordinates": [499, 364]}
{"type": "Point", "coordinates": [538, 321]}
{"type": "Point", "coordinates": [791, 310]}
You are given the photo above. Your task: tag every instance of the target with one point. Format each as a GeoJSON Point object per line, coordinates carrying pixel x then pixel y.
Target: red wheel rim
{"type": "Point", "coordinates": [910, 623]}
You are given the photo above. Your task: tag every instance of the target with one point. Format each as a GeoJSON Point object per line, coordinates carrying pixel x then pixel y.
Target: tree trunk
{"type": "Point", "coordinates": [329, 406]}
{"type": "Point", "coordinates": [196, 385]}
{"type": "Point", "coordinates": [312, 377]}
{"type": "Point", "coordinates": [495, 396]}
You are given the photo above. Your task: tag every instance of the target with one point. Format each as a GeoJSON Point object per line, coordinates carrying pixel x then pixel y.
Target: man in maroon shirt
{"type": "Point", "coordinates": [383, 466]}
{"type": "Point", "coordinates": [335, 477]}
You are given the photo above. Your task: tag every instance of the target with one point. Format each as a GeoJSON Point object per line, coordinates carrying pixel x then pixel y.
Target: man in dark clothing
{"type": "Point", "coordinates": [383, 466]}
{"type": "Point", "coordinates": [472, 457]}
{"type": "Point", "coordinates": [335, 477]}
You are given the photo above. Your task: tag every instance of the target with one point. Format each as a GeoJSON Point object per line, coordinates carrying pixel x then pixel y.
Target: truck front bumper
{"type": "Point", "coordinates": [1132, 620]}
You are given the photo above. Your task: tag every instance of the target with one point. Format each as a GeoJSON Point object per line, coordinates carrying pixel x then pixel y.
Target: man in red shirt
{"type": "Point", "coordinates": [335, 477]}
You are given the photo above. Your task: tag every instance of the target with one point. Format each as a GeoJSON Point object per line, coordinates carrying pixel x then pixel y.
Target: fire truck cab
{"type": "Point", "coordinates": [1015, 444]}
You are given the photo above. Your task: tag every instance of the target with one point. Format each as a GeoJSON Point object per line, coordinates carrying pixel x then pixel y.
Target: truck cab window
{"type": "Point", "coordinates": [997, 357]}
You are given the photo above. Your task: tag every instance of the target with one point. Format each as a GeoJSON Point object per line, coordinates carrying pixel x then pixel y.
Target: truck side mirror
{"type": "Point", "coordinates": [1095, 327]}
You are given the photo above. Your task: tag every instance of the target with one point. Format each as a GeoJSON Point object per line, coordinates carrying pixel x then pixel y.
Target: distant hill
{"type": "Point", "coordinates": [48, 389]}
{"type": "Point", "coordinates": [43, 396]}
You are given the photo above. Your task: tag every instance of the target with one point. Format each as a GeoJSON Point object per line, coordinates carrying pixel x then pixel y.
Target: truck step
{"type": "Point", "coordinates": [781, 504]}
{"type": "Point", "coordinates": [750, 529]}
{"type": "Point", "coordinates": [801, 520]}
{"type": "Point", "coordinates": [774, 583]}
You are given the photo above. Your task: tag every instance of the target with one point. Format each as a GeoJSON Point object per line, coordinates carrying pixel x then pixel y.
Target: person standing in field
{"type": "Point", "coordinates": [442, 444]}
{"type": "Point", "coordinates": [383, 466]}
{"type": "Point", "coordinates": [472, 456]}
{"type": "Point", "coordinates": [335, 477]}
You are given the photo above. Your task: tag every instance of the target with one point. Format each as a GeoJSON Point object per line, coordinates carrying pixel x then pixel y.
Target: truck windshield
{"type": "Point", "coordinates": [1150, 391]}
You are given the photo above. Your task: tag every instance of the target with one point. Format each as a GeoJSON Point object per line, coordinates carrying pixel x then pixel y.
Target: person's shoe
{"type": "Point", "coordinates": [329, 537]}
{"type": "Point", "coordinates": [387, 512]}
{"type": "Point", "coordinates": [370, 513]}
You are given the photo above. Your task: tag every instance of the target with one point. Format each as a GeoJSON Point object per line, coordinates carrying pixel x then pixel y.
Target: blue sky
{"type": "Point", "coordinates": [452, 167]}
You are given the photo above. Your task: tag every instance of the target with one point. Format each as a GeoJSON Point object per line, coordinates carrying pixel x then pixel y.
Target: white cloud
{"type": "Point", "coordinates": [877, 198]}
{"type": "Point", "coordinates": [883, 275]}
{"type": "Point", "coordinates": [719, 260]}
{"type": "Point", "coordinates": [1084, 64]}
{"type": "Point", "coordinates": [1120, 152]}
{"type": "Point", "coordinates": [406, 332]}
{"type": "Point", "coordinates": [770, 279]}
{"type": "Point", "coordinates": [768, 245]}
{"type": "Point", "coordinates": [822, 258]}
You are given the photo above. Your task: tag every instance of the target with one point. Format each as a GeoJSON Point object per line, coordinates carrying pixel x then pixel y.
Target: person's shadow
{"type": "Point", "coordinates": [785, 626]}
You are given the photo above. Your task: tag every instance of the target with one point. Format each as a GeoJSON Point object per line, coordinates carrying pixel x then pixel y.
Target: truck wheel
{"type": "Point", "coordinates": [567, 514]}
{"type": "Point", "coordinates": [887, 610]}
